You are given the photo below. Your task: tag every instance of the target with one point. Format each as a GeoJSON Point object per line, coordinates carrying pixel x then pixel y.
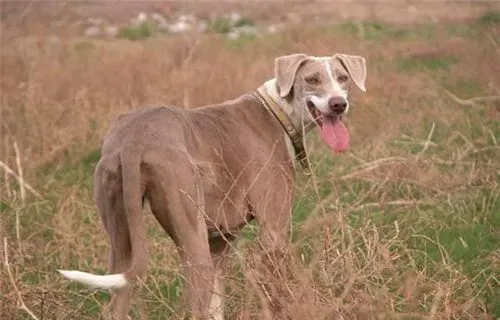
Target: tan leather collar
{"type": "Point", "coordinates": [284, 120]}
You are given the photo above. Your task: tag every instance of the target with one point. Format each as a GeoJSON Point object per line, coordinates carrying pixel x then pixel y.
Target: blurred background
{"type": "Point", "coordinates": [406, 225]}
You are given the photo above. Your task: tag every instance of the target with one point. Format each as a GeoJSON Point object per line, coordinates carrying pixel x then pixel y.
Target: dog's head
{"type": "Point", "coordinates": [317, 89]}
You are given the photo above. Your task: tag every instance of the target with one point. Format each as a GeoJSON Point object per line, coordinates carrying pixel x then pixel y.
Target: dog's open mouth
{"type": "Point", "coordinates": [333, 131]}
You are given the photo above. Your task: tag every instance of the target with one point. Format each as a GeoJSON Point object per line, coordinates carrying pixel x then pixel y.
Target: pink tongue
{"type": "Point", "coordinates": [334, 134]}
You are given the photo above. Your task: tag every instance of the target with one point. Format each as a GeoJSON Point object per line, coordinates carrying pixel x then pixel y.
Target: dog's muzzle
{"type": "Point", "coordinates": [337, 105]}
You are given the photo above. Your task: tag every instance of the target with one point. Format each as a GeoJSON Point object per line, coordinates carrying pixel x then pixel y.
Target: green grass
{"type": "Point", "coordinates": [244, 21]}
{"type": "Point", "coordinates": [84, 47]}
{"type": "Point", "coordinates": [146, 29]}
{"type": "Point", "coordinates": [467, 88]}
{"type": "Point", "coordinates": [491, 17]}
{"type": "Point", "coordinates": [220, 25]}
{"type": "Point", "coordinates": [373, 30]}
{"type": "Point", "coordinates": [425, 63]}
{"type": "Point", "coordinates": [224, 25]}
{"type": "Point", "coordinates": [239, 44]}
{"type": "Point", "coordinates": [466, 234]}
{"type": "Point", "coordinates": [377, 30]}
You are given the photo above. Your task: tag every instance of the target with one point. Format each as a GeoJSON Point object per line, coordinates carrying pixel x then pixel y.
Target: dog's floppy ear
{"type": "Point", "coordinates": [285, 69]}
{"type": "Point", "coordinates": [356, 67]}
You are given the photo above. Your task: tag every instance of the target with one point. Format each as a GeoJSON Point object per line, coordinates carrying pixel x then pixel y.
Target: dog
{"type": "Point", "coordinates": [207, 172]}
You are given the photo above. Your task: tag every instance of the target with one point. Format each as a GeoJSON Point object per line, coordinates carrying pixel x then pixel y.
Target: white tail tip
{"type": "Point", "coordinates": [111, 281]}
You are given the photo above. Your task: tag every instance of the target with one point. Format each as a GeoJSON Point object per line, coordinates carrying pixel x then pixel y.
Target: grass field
{"type": "Point", "coordinates": [406, 225]}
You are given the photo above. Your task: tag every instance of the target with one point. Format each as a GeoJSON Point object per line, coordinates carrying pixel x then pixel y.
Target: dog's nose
{"type": "Point", "coordinates": [337, 104]}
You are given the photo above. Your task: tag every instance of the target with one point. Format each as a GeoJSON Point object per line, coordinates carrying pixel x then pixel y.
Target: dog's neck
{"type": "Point", "coordinates": [284, 113]}
{"type": "Point", "coordinates": [271, 88]}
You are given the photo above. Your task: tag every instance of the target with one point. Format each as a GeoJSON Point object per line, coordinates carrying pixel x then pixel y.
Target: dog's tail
{"type": "Point", "coordinates": [132, 201]}
{"type": "Point", "coordinates": [110, 281]}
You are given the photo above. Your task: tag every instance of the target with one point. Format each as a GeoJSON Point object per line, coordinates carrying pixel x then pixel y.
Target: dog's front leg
{"type": "Point", "coordinates": [219, 248]}
{"type": "Point", "coordinates": [273, 214]}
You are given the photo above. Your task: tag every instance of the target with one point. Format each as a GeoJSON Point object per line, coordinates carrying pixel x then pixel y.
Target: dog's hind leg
{"type": "Point", "coordinates": [196, 263]}
{"type": "Point", "coordinates": [179, 207]}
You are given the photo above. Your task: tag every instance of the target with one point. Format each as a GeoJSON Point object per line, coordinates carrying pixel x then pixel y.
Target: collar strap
{"type": "Point", "coordinates": [284, 120]}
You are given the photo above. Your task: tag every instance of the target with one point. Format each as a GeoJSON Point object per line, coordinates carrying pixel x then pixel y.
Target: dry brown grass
{"type": "Point", "coordinates": [370, 227]}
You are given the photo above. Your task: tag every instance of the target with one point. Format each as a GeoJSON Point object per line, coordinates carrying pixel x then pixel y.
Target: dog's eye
{"type": "Point", "coordinates": [342, 78]}
{"type": "Point", "coordinates": [314, 80]}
